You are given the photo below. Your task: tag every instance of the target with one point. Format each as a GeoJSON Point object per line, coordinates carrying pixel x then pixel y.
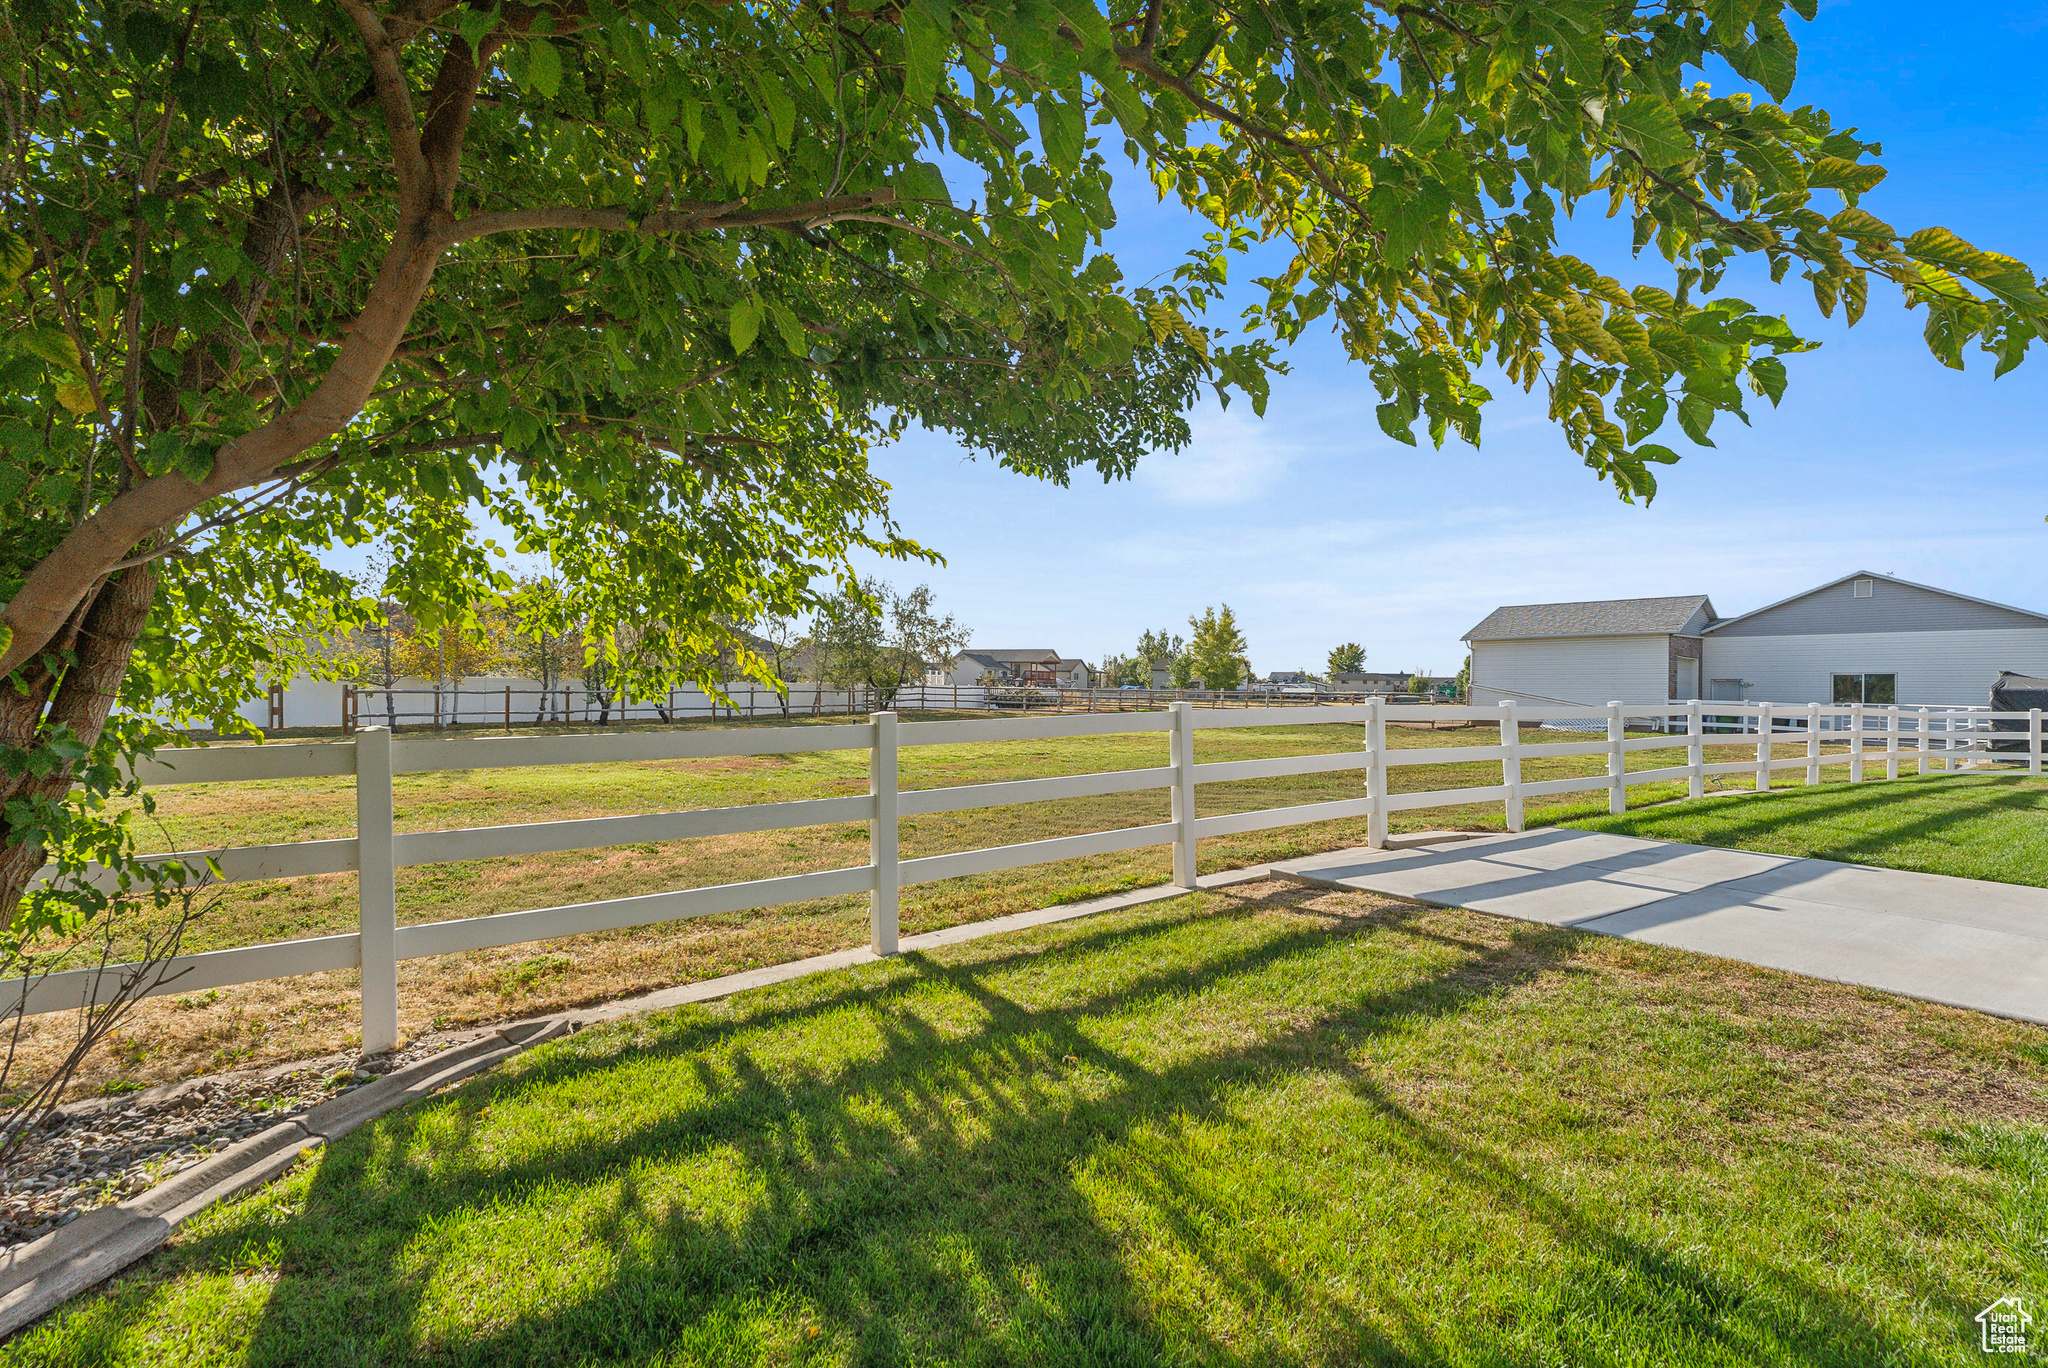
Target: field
{"type": "Point", "coordinates": [1270, 1126]}
{"type": "Point", "coordinates": [297, 1018]}
{"type": "Point", "coordinates": [1990, 826]}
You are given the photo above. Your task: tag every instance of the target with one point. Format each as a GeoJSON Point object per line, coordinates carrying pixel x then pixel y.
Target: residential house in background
{"type": "Point", "coordinates": [1864, 637]}
{"type": "Point", "coordinates": [1370, 681]}
{"type": "Point", "coordinates": [1046, 669]}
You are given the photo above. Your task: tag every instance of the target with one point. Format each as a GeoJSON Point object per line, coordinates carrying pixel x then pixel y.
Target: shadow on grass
{"type": "Point", "coordinates": [922, 1205]}
{"type": "Point", "coordinates": [1812, 817]}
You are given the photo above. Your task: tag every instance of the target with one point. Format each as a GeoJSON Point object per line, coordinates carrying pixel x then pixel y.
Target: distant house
{"type": "Point", "coordinates": [1865, 637]}
{"type": "Point", "coordinates": [1046, 669]}
{"type": "Point", "coordinates": [1365, 681]}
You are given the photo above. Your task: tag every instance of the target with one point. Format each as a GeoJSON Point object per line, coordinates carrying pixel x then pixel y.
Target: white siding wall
{"type": "Point", "coordinates": [1635, 669]}
{"type": "Point", "coordinates": [1932, 667]}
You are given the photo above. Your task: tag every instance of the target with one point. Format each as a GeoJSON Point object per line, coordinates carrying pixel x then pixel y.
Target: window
{"type": "Point", "coordinates": [1864, 588]}
{"type": "Point", "coordinates": [1866, 688]}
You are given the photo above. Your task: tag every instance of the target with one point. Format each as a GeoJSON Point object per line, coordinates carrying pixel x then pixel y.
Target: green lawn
{"type": "Point", "coordinates": [1991, 826]}
{"type": "Point", "coordinates": [1276, 1126]}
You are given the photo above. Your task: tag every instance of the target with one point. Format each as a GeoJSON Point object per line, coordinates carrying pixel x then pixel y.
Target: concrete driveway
{"type": "Point", "coordinates": [1963, 942]}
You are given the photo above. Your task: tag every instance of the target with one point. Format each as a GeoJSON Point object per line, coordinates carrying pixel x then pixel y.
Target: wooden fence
{"type": "Point", "coordinates": [1934, 740]}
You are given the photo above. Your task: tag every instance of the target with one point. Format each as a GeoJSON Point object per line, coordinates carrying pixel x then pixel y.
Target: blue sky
{"type": "Point", "coordinates": [1317, 529]}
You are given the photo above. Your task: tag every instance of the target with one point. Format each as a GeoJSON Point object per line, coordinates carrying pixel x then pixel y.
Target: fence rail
{"type": "Point", "coordinates": [1942, 741]}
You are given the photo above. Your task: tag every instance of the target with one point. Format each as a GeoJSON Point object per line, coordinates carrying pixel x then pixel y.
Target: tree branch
{"type": "Point", "coordinates": [394, 99]}
{"type": "Point", "coordinates": [695, 218]}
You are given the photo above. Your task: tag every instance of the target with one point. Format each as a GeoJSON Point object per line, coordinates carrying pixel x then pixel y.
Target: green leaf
{"type": "Point", "coordinates": [744, 323]}
{"type": "Point", "coordinates": [1863, 226]}
{"type": "Point", "coordinates": [1061, 131]}
{"type": "Point", "coordinates": [15, 255]}
{"type": "Point", "coordinates": [1696, 415]}
{"type": "Point", "coordinates": [1394, 420]}
{"type": "Point", "coordinates": [791, 328]}
{"type": "Point", "coordinates": [544, 68]}
{"type": "Point", "coordinates": [1650, 128]}
{"type": "Point", "coordinates": [475, 23]}
{"type": "Point", "coordinates": [1839, 173]}
{"type": "Point", "coordinates": [1656, 452]}
{"type": "Point", "coordinates": [75, 395]}
{"type": "Point", "coordinates": [925, 46]}
{"type": "Point", "coordinates": [1768, 372]}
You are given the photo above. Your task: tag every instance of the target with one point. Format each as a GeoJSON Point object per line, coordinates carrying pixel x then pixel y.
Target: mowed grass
{"type": "Point", "coordinates": [1988, 826]}
{"type": "Point", "coordinates": [1272, 1126]}
{"type": "Point", "coordinates": [259, 1024]}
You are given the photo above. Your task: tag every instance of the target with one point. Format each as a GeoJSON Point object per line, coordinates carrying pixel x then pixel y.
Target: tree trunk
{"type": "Point", "coordinates": [83, 697]}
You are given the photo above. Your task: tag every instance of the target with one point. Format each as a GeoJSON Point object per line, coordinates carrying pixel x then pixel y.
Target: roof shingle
{"type": "Point", "coordinates": [1604, 617]}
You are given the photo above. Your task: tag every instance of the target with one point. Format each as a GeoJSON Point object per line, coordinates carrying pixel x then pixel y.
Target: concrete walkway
{"type": "Point", "coordinates": [1963, 942]}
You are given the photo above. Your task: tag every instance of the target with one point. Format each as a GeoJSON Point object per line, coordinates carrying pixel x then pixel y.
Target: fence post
{"type": "Point", "coordinates": [2033, 740]}
{"type": "Point", "coordinates": [1617, 766]}
{"type": "Point", "coordinates": [1183, 756]}
{"type": "Point", "coordinates": [1764, 722]}
{"type": "Point", "coordinates": [1926, 744]}
{"type": "Point", "coordinates": [1813, 743]}
{"type": "Point", "coordinates": [1376, 777]}
{"type": "Point", "coordinates": [1695, 751]}
{"type": "Point", "coordinates": [1856, 726]}
{"type": "Point", "coordinates": [1891, 743]}
{"type": "Point", "coordinates": [1511, 763]}
{"type": "Point", "coordinates": [882, 903]}
{"type": "Point", "coordinates": [376, 890]}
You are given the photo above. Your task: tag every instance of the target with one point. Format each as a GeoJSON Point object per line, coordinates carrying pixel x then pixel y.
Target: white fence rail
{"type": "Point", "coordinates": [1949, 740]}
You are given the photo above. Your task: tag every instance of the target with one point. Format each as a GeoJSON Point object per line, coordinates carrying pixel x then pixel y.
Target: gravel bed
{"type": "Point", "coordinates": [109, 1149]}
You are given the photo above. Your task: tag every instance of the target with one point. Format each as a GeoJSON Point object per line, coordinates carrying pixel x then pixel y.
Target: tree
{"type": "Point", "coordinates": [870, 637]}
{"type": "Point", "coordinates": [1161, 648]}
{"type": "Point", "coordinates": [1346, 659]}
{"type": "Point", "coordinates": [1418, 682]}
{"type": "Point", "coordinates": [544, 642]}
{"type": "Point", "coordinates": [645, 282]}
{"type": "Point", "coordinates": [1464, 680]}
{"type": "Point", "coordinates": [1217, 648]}
{"type": "Point", "coordinates": [850, 644]}
{"type": "Point", "coordinates": [920, 641]}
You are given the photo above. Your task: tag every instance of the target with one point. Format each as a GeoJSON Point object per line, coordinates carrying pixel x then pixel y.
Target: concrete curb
{"type": "Point", "coordinates": [38, 1277]}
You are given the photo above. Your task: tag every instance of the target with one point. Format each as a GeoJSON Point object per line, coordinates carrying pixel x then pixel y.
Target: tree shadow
{"type": "Point", "coordinates": [926, 1203]}
{"type": "Point", "coordinates": [1774, 815]}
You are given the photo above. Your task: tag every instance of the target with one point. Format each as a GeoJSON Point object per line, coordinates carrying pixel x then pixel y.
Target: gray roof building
{"type": "Point", "coordinates": [1683, 615]}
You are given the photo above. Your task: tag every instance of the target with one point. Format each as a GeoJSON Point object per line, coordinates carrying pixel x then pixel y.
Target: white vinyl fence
{"type": "Point", "coordinates": [1934, 740]}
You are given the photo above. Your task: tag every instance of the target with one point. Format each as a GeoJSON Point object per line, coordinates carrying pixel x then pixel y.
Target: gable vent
{"type": "Point", "coordinates": [1864, 588]}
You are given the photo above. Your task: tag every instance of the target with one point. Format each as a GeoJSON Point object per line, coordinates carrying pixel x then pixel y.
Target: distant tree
{"type": "Point", "coordinates": [847, 637]}
{"type": "Point", "coordinates": [919, 640]}
{"type": "Point", "coordinates": [781, 642]}
{"type": "Point", "coordinates": [1418, 683]}
{"type": "Point", "coordinates": [1465, 678]}
{"type": "Point", "coordinates": [1181, 671]}
{"type": "Point", "coordinates": [870, 637]}
{"type": "Point", "coordinates": [1154, 651]}
{"type": "Point", "coordinates": [1347, 659]}
{"type": "Point", "coordinates": [1217, 648]}
{"type": "Point", "coordinates": [544, 640]}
